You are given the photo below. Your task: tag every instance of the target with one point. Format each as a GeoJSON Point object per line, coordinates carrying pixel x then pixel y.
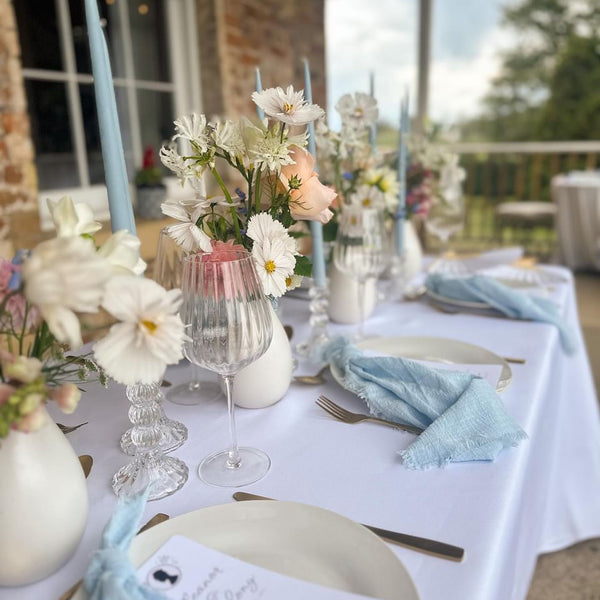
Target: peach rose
{"type": "Point", "coordinates": [309, 198]}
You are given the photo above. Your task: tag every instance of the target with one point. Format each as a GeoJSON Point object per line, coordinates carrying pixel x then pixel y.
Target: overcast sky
{"type": "Point", "coordinates": [381, 36]}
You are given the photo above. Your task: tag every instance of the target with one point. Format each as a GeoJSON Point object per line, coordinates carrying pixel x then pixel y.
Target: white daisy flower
{"type": "Point", "coordinates": [275, 262]}
{"type": "Point", "coordinates": [367, 196]}
{"type": "Point", "coordinates": [386, 181]}
{"type": "Point", "coordinates": [71, 219]}
{"type": "Point", "coordinates": [287, 106]}
{"type": "Point", "coordinates": [193, 128]}
{"type": "Point", "coordinates": [64, 276]}
{"type": "Point", "coordinates": [149, 335]}
{"type": "Point", "coordinates": [122, 251]}
{"type": "Point", "coordinates": [359, 110]}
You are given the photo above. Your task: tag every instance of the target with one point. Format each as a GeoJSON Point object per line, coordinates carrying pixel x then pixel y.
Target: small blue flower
{"type": "Point", "coordinates": [348, 175]}
{"type": "Point", "coordinates": [14, 282]}
{"type": "Point", "coordinates": [241, 194]}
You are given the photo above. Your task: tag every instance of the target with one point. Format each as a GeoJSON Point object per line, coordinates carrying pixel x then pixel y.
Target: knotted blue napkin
{"type": "Point", "coordinates": [463, 417]}
{"type": "Point", "coordinates": [510, 302]}
{"type": "Point", "coordinates": [110, 575]}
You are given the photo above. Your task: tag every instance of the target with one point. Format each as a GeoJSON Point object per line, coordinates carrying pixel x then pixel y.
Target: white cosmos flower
{"type": "Point", "coordinates": [275, 262]}
{"type": "Point", "coordinates": [293, 281]}
{"type": "Point", "coordinates": [263, 227]}
{"type": "Point", "coordinates": [63, 276]}
{"type": "Point", "coordinates": [359, 110]}
{"type": "Point", "coordinates": [72, 219]}
{"type": "Point", "coordinates": [149, 335]}
{"type": "Point", "coordinates": [193, 128]}
{"type": "Point", "coordinates": [287, 106]}
{"type": "Point", "coordinates": [187, 234]}
{"type": "Point", "coordinates": [122, 251]}
{"type": "Point", "coordinates": [174, 162]}
{"type": "Point", "coordinates": [386, 181]}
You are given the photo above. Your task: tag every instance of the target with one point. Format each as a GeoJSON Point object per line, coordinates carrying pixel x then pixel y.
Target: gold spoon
{"type": "Point", "coordinates": [315, 379]}
{"type": "Point", "coordinates": [86, 464]}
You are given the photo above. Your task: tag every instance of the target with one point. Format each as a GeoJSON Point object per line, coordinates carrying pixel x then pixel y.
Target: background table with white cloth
{"type": "Point", "coordinates": [577, 196]}
{"type": "Point", "coordinates": [538, 497]}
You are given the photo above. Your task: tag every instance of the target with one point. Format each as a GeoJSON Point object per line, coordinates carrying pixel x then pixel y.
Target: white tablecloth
{"type": "Point", "coordinates": [541, 496]}
{"type": "Point", "coordinates": [577, 196]}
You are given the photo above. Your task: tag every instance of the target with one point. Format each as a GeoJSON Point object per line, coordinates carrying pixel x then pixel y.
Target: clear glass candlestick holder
{"type": "Point", "coordinates": [151, 468]}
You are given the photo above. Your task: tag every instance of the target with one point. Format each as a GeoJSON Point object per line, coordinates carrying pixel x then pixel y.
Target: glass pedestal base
{"type": "Point", "coordinates": [217, 470]}
{"type": "Point", "coordinates": [163, 474]}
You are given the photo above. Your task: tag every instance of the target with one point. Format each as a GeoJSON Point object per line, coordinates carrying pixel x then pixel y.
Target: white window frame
{"type": "Point", "coordinates": [184, 85]}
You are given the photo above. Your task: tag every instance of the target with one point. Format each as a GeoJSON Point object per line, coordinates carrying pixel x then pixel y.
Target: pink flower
{"type": "Point", "coordinates": [6, 391]}
{"type": "Point", "coordinates": [66, 396]}
{"type": "Point", "coordinates": [16, 307]}
{"type": "Point", "coordinates": [21, 368]}
{"type": "Point", "coordinates": [309, 198]}
{"type": "Point", "coordinates": [32, 421]}
{"type": "Point", "coordinates": [6, 271]}
{"type": "Point", "coordinates": [224, 251]}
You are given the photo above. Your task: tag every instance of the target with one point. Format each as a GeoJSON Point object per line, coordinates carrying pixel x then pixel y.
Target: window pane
{"type": "Point", "coordinates": [51, 132]}
{"type": "Point", "coordinates": [156, 118]}
{"type": "Point", "coordinates": [92, 133]}
{"type": "Point", "coordinates": [149, 40]}
{"type": "Point", "coordinates": [38, 34]}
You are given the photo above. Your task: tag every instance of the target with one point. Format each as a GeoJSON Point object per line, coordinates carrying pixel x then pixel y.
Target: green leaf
{"type": "Point", "coordinates": [303, 266]}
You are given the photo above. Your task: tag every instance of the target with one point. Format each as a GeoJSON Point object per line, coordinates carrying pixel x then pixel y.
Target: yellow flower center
{"type": "Point", "coordinates": [366, 202]}
{"type": "Point", "coordinates": [269, 266]}
{"type": "Point", "coordinates": [151, 326]}
{"type": "Point", "coordinates": [353, 220]}
{"type": "Point", "coordinates": [288, 281]}
{"type": "Point", "coordinates": [288, 108]}
{"type": "Point", "coordinates": [358, 112]}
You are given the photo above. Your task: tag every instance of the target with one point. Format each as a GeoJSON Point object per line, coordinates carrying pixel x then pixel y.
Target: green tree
{"type": "Point", "coordinates": [552, 36]}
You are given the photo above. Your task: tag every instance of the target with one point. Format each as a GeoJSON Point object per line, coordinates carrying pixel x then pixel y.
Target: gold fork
{"type": "Point", "coordinates": [341, 414]}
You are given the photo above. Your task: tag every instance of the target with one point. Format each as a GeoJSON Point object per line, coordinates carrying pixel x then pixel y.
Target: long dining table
{"type": "Point", "coordinates": [538, 497]}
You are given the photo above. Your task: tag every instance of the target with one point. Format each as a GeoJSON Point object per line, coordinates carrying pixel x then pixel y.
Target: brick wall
{"type": "Point", "coordinates": [274, 35]}
{"type": "Point", "coordinates": [18, 181]}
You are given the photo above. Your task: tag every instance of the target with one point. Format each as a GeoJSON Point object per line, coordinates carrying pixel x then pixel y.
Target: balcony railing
{"type": "Point", "coordinates": [516, 172]}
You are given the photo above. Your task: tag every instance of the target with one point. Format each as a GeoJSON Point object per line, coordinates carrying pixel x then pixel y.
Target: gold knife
{"type": "Point", "coordinates": [413, 542]}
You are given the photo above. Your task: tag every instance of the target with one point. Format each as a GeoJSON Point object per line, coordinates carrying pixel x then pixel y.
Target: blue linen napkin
{"type": "Point", "coordinates": [110, 574]}
{"type": "Point", "coordinates": [463, 417]}
{"type": "Point", "coordinates": [510, 302]}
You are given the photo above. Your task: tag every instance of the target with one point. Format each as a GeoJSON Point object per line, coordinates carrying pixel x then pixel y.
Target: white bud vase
{"type": "Point", "coordinates": [343, 297]}
{"type": "Point", "coordinates": [413, 252]}
{"type": "Point", "coordinates": [43, 504]}
{"type": "Point", "coordinates": [266, 380]}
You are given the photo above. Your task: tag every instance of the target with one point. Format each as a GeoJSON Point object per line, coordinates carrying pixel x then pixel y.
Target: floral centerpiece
{"type": "Point", "coordinates": [350, 161]}
{"type": "Point", "coordinates": [45, 294]}
{"type": "Point", "coordinates": [280, 185]}
{"type": "Point", "coordinates": [433, 175]}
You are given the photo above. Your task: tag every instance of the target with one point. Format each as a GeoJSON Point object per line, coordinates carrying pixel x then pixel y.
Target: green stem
{"type": "Point", "coordinates": [257, 189]}
{"type": "Point", "coordinates": [234, 215]}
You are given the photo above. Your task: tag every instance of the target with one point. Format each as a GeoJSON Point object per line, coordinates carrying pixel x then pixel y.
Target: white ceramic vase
{"type": "Point", "coordinates": [43, 504]}
{"type": "Point", "coordinates": [266, 380]}
{"type": "Point", "coordinates": [343, 297]}
{"type": "Point", "coordinates": [413, 252]}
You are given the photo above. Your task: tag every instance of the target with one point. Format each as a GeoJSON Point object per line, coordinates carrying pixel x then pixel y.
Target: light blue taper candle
{"type": "Point", "coordinates": [318, 256]}
{"type": "Point", "coordinates": [401, 210]}
{"type": "Point", "coordinates": [259, 111]}
{"type": "Point", "coordinates": [373, 127]}
{"type": "Point", "coordinates": [115, 173]}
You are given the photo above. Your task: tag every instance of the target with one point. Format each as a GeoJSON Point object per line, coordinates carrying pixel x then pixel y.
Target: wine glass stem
{"type": "Point", "coordinates": [234, 460]}
{"type": "Point", "coordinates": [195, 384]}
{"type": "Point", "coordinates": [361, 307]}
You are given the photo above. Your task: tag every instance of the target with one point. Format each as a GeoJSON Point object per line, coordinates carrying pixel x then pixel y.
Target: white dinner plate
{"type": "Point", "coordinates": [435, 350]}
{"type": "Point", "coordinates": [294, 539]}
